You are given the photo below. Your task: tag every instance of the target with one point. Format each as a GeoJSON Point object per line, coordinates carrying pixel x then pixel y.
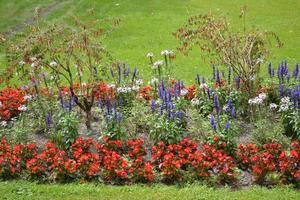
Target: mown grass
{"type": "Point", "coordinates": [27, 190]}
{"type": "Point", "coordinates": [146, 25]}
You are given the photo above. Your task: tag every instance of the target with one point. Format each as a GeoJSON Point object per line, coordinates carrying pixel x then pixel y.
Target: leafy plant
{"type": "Point", "coordinates": [65, 131]}
{"type": "Point", "coordinates": [243, 51]}
{"type": "Point", "coordinates": [55, 55]}
{"type": "Point", "coordinates": [267, 131]}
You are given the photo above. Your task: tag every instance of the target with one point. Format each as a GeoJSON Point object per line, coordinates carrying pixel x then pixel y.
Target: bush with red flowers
{"type": "Point", "coordinates": [145, 93]}
{"type": "Point", "coordinates": [11, 101]}
{"type": "Point", "coordinates": [114, 162]}
{"type": "Point", "coordinates": [87, 163]}
{"type": "Point", "coordinates": [289, 164]}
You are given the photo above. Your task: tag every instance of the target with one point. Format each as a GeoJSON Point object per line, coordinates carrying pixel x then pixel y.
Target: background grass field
{"type": "Point", "coordinates": [147, 25]}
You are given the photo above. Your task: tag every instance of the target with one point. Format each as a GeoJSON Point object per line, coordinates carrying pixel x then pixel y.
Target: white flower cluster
{"type": "Point", "coordinates": [195, 102]}
{"type": "Point", "coordinates": [3, 123]}
{"type": "Point", "coordinates": [53, 64]}
{"type": "Point", "coordinates": [203, 86]}
{"type": "Point", "coordinates": [258, 100]}
{"type": "Point", "coordinates": [153, 81]}
{"type": "Point", "coordinates": [166, 53]}
{"type": "Point", "coordinates": [157, 64]}
{"type": "Point", "coordinates": [273, 106]}
{"type": "Point", "coordinates": [183, 92]}
{"type": "Point", "coordinates": [33, 59]}
{"type": "Point", "coordinates": [124, 90]}
{"type": "Point", "coordinates": [27, 97]}
{"type": "Point", "coordinates": [112, 86]}
{"type": "Point", "coordinates": [150, 55]}
{"type": "Point", "coordinates": [135, 88]}
{"type": "Point", "coordinates": [22, 108]}
{"type": "Point", "coordinates": [139, 82]}
{"type": "Point", "coordinates": [284, 104]}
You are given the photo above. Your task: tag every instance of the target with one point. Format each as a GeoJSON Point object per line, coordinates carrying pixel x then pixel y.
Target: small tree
{"type": "Point", "coordinates": [70, 55]}
{"type": "Point", "coordinates": [243, 51]}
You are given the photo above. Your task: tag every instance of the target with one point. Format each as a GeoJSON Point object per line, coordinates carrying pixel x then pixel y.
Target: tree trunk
{"type": "Point", "coordinates": [88, 120]}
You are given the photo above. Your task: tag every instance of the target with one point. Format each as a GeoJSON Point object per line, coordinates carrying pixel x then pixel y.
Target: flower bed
{"type": "Point", "coordinates": [114, 162]}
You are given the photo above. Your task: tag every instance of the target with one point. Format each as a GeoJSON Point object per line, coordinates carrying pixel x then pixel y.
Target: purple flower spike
{"type": "Point", "coordinates": [48, 119]}
{"type": "Point", "coordinates": [233, 112]}
{"type": "Point", "coordinates": [214, 72]}
{"type": "Point", "coordinates": [111, 72]}
{"type": "Point", "coordinates": [134, 74]}
{"type": "Point", "coordinates": [216, 104]}
{"type": "Point", "coordinates": [281, 90]}
{"type": "Point", "coordinates": [153, 105]}
{"type": "Point", "coordinates": [227, 126]}
{"type": "Point", "coordinates": [238, 82]}
{"type": "Point", "coordinates": [270, 69]}
{"type": "Point", "coordinates": [213, 123]}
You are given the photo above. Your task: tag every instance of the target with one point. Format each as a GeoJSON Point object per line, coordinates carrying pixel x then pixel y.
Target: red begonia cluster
{"type": "Point", "coordinates": [10, 102]}
{"type": "Point", "coordinates": [270, 159]}
{"type": "Point", "coordinates": [116, 162]}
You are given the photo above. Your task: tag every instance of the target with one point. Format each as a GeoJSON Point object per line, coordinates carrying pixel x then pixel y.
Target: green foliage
{"type": "Point", "coordinates": [17, 131]}
{"type": "Point", "coordinates": [168, 131]}
{"type": "Point", "coordinates": [267, 131]}
{"type": "Point", "coordinates": [65, 130]}
{"type": "Point", "coordinates": [243, 51]}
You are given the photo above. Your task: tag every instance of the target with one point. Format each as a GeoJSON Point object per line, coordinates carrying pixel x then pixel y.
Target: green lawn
{"type": "Point", "coordinates": [146, 25]}
{"type": "Point", "coordinates": [26, 190]}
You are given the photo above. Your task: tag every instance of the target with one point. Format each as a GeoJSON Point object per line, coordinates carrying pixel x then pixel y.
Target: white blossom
{"type": "Point", "coordinates": [22, 108]}
{"type": "Point", "coordinates": [164, 53]}
{"type": "Point", "coordinates": [203, 85]}
{"type": "Point", "coordinates": [34, 64]}
{"type": "Point", "coordinates": [183, 92]}
{"type": "Point", "coordinates": [111, 86]}
{"type": "Point", "coordinates": [139, 82]}
{"type": "Point", "coordinates": [263, 96]}
{"type": "Point", "coordinates": [33, 59]}
{"type": "Point", "coordinates": [1, 104]}
{"type": "Point", "coordinates": [157, 64]}
{"type": "Point", "coordinates": [150, 55]}
{"type": "Point", "coordinates": [53, 64]}
{"type": "Point", "coordinates": [3, 123]}
{"type": "Point", "coordinates": [283, 107]}
{"type": "Point", "coordinates": [135, 88]}
{"type": "Point", "coordinates": [195, 102]}
{"type": "Point", "coordinates": [124, 90]}
{"type": "Point", "coordinates": [27, 97]}
{"type": "Point", "coordinates": [255, 101]}
{"type": "Point", "coordinates": [273, 106]}
{"type": "Point", "coordinates": [285, 100]}
{"type": "Point", "coordinates": [153, 81]}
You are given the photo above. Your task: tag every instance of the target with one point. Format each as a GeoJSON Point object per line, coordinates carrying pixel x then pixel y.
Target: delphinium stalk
{"type": "Point", "coordinates": [214, 72]}
{"type": "Point", "coordinates": [296, 71]}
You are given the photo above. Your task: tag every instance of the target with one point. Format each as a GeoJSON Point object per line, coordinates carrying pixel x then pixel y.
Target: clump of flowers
{"type": "Point", "coordinates": [12, 102]}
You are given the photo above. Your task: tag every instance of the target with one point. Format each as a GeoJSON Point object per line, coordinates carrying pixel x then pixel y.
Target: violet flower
{"type": "Point", "coordinates": [216, 104]}
{"type": "Point", "coordinates": [281, 90]}
{"type": "Point", "coordinates": [227, 126]}
{"type": "Point", "coordinates": [213, 123]}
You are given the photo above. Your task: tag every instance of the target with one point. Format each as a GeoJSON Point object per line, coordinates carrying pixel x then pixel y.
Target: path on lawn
{"type": "Point", "coordinates": [43, 12]}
